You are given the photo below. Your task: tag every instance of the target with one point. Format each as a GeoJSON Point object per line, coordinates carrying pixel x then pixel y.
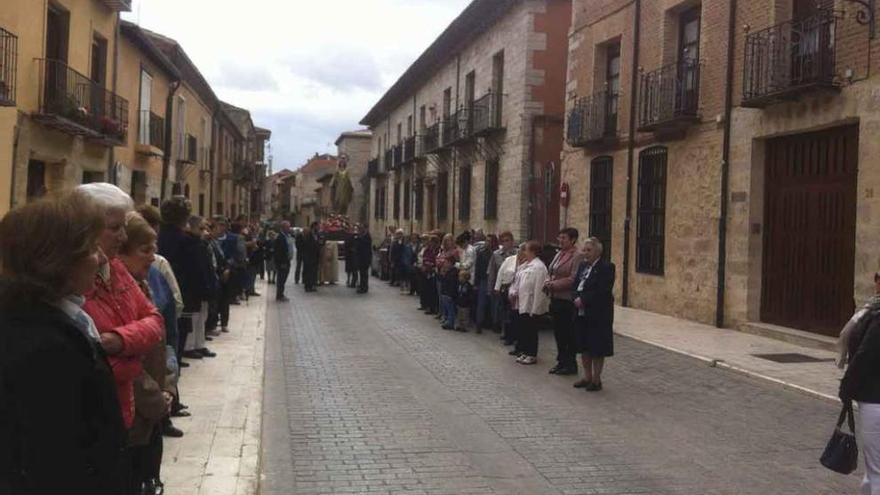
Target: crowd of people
{"type": "Point", "coordinates": [476, 282]}
{"type": "Point", "coordinates": [101, 306]}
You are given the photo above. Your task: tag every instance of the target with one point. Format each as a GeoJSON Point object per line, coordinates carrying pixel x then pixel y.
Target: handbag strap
{"type": "Point", "coordinates": [847, 414]}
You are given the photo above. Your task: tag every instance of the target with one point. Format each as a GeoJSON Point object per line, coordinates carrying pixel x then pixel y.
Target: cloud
{"type": "Point", "coordinates": [236, 76]}
{"type": "Point", "coordinates": [341, 68]}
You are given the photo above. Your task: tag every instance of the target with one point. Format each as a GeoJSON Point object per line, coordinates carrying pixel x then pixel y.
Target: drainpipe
{"type": "Point", "coordinates": [455, 151]}
{"type": "Point", "coordinates": [630, 148]}
{"type": "Point", "coordinates": [725, 168]}
{"type": "Point", "coordinates": [412, 172]}
{"type": "Point", "coordinates": [111, 158]}
{"type": "Point", "coordinates": [169, 133]}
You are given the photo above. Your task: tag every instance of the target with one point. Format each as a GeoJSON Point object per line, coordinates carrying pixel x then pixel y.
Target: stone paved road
{"type": "Point", "coordinates": [367, 395]}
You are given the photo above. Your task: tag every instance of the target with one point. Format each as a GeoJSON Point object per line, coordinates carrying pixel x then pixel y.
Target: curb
{"type": "Point", "coordinates": [720, 363]}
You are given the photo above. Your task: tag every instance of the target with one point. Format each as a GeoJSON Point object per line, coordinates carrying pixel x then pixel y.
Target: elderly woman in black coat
{"type": "Point", "coordinates": [61, 429]}
{"type": "Point", "coordinates": [594, 302]}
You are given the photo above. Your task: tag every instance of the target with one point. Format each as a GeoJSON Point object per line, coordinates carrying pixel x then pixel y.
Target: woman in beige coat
{"type": "Point", "coordinates": [329, 264]}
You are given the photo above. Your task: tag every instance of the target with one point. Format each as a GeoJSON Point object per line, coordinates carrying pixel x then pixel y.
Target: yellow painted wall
{"type": "Point", "coordinates": [196, 110]}
{"type": "Point", "coordinates": [67, 157]}
{"type": "Point", "coordinates": [131, 61]}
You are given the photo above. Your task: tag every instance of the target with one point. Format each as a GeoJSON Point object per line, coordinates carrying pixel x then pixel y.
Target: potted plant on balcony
{"type": "Point", "coordinates": [111, 127]}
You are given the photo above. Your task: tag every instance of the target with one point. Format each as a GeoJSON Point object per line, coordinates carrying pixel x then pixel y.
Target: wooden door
{"type": "Point", "coordinates": [545, 202]}
{"type": "Point", "coordinates": [809, 230]}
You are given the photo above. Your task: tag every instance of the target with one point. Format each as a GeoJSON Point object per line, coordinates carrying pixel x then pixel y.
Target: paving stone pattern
{"type": "Point", "coordinates": [371, 396]}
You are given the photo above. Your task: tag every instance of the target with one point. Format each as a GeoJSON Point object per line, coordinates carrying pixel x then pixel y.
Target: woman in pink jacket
{"type": "Point", "coordinates": [129, 325]}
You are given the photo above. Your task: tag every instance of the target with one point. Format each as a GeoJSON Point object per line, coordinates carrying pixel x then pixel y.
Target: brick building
{"type": "Point", "coordinates": [721, 142]}
{"type": "Point", "coordinates": [470, 135]}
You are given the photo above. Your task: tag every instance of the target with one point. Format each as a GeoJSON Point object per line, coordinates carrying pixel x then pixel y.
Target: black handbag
{"type": "Point", "coordinates": [842, 453]}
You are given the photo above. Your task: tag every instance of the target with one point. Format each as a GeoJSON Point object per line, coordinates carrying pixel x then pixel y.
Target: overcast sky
{"type": "Point", "coordinates": [307, 70]}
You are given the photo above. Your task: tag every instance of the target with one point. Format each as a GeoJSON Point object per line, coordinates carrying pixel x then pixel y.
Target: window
{"type": "Point", "coordinates": [99, 60]}
{"type": "Point", "coordinates": [139, 186]}
{"type": "Point", "coordinates": [447, 102]}
{"type": "Point", "coordinates": [8, 67]}
{"type": "Point", "coordinates": [689, 57]}
{"type": "Point", "coordinates": [181, 128]}
{"type": "Point", "coordinates": [399, 132]}
{"type": "Point", "coordinates": [498, 83]}
{"type": "Point", "coordinates": [422, 118]}
{"type": "Point", "coordinates": [91, 177]}
{"type": "Point", "coordinates": [146, 103]}
{"type": "Point", "coordinates": [407, 194]}
{"type": "Point", "coordinates": [409, 126]}
{"type": "Point", "coordinates": [651, 211]}
{"type": "Point", "coordinates": [490, 187]}
{"type": "Point", "coordinates": [442, 195]}
{"type": "Point", "coordinates": [397, 200]}
{"type": "Point", "coordinates": [470, 81]}
{"type": "Point", "coordinates": [612, 87]}
{"type": "Point", "coordinates": [464, 193]}
{"type": "Point", "coordinates": [201, 204]}
{"type": "Point", "coordinates": [420, 199]}
{"type": "Point", "coordinates": [601, 173]}
{"type": "Point", "coordinates": [36, 179]}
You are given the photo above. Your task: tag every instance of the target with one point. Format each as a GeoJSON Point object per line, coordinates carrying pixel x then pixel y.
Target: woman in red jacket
{"type": "Point", "coordinates": [129, 324]}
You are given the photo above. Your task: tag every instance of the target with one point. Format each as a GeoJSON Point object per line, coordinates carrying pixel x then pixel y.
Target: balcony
{"type": "Point", "coordinates": [669, 97]}
{"type": "Point", "coordinates": [74, 104]}
{"type": "Point", "coordinates": [592, 121]}
{"type": "Point", "coordinates": [457, 127]}
{"type": "Point", "coordinates": [487, 114]}
{"type": "Point", "coordinates": [409, 149]}
{"type": "Point", "coordinates": [8, 67]}
{"type": "Point", "coordinates": [431, 140]}
{"type": "Point", "coordinates": [789, 59]}
{"type": "Point", "coordinates": [373, 168]}
{"type": "Point", "coordinates": [242, 172]}
{"type": "Point", "coordinates": [396, 156]}
{"type": "Point", "coordinates": [151, 134]}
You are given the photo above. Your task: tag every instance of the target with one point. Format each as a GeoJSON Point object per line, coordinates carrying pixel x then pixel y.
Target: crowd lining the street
{"type": "Point", "coordinates": [103, 304]}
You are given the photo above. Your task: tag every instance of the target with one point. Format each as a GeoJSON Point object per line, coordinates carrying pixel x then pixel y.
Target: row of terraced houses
{"type": "Point", "coordinates": [724, 151]}
{"type": "Point", "coordinates": [88, 97]}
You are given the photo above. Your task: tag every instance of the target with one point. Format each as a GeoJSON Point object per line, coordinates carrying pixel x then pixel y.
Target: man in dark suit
{"type": "Point", "coordinates": [594, 301]}
{"type": "Point", "coordinates": [283, 254]}
{"type": "Point", "coordinates": [311, 249]}
{"type": "Point", "coordinates": [298, 243]}
{"type": "Point", "coordinates": [364, 254]}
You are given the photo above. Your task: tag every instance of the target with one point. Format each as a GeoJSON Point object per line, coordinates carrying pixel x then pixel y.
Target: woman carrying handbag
{"type": "Point", "coordinates": [861, 383]}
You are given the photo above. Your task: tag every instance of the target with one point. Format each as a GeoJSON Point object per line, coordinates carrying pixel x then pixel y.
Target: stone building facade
{"type": "Point", "coordinates": [720, 150]}
{"type": "Point", "coordinates": [357, 146]}
{"type": "Point", "coordinates": [471, 130]}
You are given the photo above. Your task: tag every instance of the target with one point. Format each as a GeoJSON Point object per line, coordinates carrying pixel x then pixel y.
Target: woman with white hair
{"type": "Point", "coordinates": [530, 301]}
{"type": "Point", "coordinates": [594, 300]}
{"type": "Point", "coordinates": [129, 325]}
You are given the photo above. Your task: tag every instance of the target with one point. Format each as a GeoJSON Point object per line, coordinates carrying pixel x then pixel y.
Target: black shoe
{"type": "Point", "coordinates": [567, 371]}
{"type": "Point", "coordinates": [555, 369]}
{"type": "Point", "coordinates": [194, 354]}
{"type": "Point", "coordinates": [253, 294]}
{"type": "Point", "coordinates": [153, 487]}
{"type": "Point", "coordinates": [209, 339]}
{"type": "Point", "coordinates": [282, 299]}
{"type": "Point", "coordinates": [509, 342]}
{"type": "Point", "coordinates": [593, 387]}
{"type": "Point", "coordinates": [582, 384]}
{"type": "Point", "coordinates": [180, 414]}
{"type": "Point", "coordinates": [183, 364]}
{"type": "Point", "coordinates": [172, 431]}
{"type": "Point", "coordinates": [514, 353]}
{"type": "Point", "coordinates": [206, 352]}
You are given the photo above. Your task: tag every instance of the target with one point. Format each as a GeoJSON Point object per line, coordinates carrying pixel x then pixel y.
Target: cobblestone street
{"type": "Point", "coordinates": [368, 395]}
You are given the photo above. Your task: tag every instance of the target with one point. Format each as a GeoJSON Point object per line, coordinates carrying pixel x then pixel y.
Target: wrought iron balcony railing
{"type": "Point", "coordinates": [487, 114]}
{"type": "Point", "coordinates": [669, 96]}
{"type": "Point", "coordinates": [431, 139]}
{"type": "Point", "coordinates": [409, 149]}
{"type": "Point", "coordinates": [8, 67]}
{"type": "Point", "coordinates": [458, 127]}
{"type": "Point", "coordinates": [73, 103]}
{"type": "Point", "coordinates": [152, 130]}
{"type": "Point", "coordinates": [790, 58]}
{"type": "Point", "coordinates": [593, 119]}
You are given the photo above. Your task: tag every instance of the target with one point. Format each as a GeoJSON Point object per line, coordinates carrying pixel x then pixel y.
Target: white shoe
{"type": "Point", "coordinates": [520, 358]}
{"type": "Point", "coordinates": [528, 360]}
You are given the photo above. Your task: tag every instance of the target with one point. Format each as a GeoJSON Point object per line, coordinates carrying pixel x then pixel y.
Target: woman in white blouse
{"type": "Point", "coordinates": [528, 299]}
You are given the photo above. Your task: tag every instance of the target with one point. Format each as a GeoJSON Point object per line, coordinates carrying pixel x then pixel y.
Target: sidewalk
{"type": "Point", "coordinates": [733, 350]}
{"type": "Point", "coordinates": [219, 453]}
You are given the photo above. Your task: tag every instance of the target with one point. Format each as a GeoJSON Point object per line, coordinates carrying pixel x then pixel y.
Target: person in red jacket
{"type": "Point", "coordinates": [129, 325]}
